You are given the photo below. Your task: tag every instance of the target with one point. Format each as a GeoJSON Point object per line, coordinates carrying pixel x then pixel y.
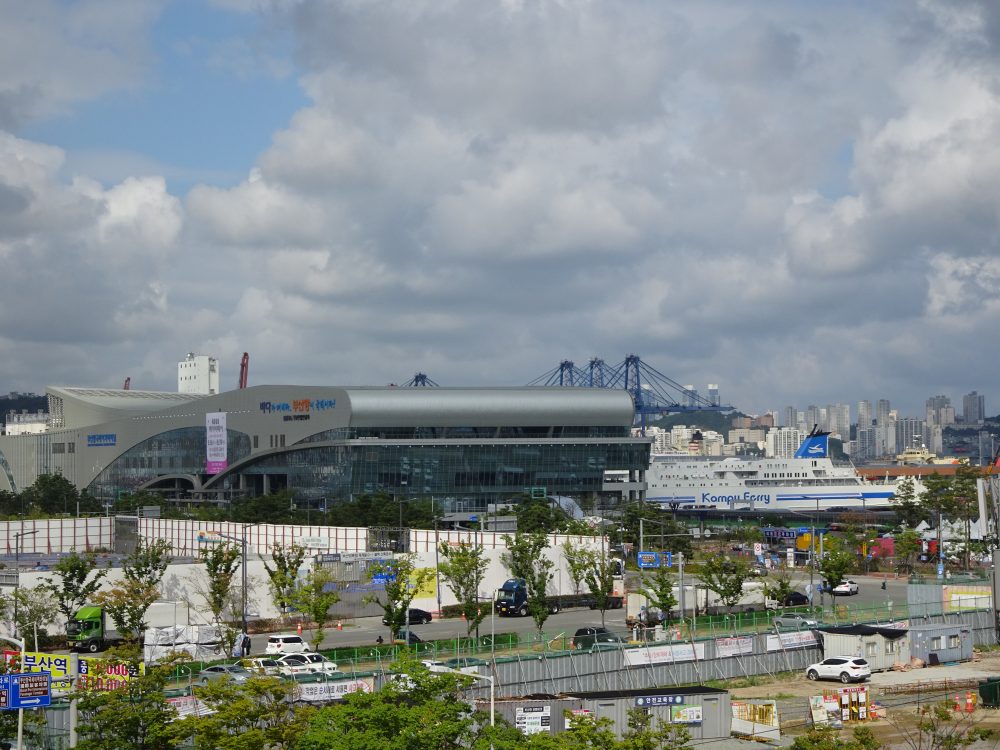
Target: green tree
{"type": "Point", "coordinates": [283, 575]}
{"type": "Point", "coordinates": [579, 560]}
{"type": "Point", "coordinates": [600, 580]}
{"type": "Point", "coordinates": [402, 581]}
{"type": "Point", "coordinates": [936, 727]}
{"type": "Point", "coordinates": [419, 710]}
{"type": "Point", "coordinates": [77, 580]}
{"type": "Point", "coordinates": [51, 494]}
{"type": "Point", "coordinates": [725, 576]}
{"type": "Point", "coordinates": [909, 511]}
{"type": "Point", "coordinates": [779, 588]}
{"type": "Point", "coordinates": [661, 531]}
{"type": "Point", "coordinates": [463, 568]}
{"type": "Point", "coordinates": [35, 610]}
{"type": "Point", "coordinates": [906, 546]}
{"type": "Point", "coordinates": [126, 603]}
{"type": "Point", "coordinates": [256, 715]}
{"type": "Point", "coordinates": [825, 737]}
{"type": "Point", "coordinates": [658, 588]}
{"type": "Point", "coordinates": [221, 563]}
{"type": "Point", "coordinates": [314, 596]}
{"type": "Point", "coordinates": [964, 502]}
{"type": "Point", "coordinates": [135, 716]}
{"type": "Point", "coordinates": [525, 558]}
{"type": "Point", "coordinates": [836, 562]}
{"type": "Point", "coordinates": [536, 515]}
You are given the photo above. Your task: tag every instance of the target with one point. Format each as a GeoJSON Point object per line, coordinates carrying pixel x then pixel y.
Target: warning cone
{"type": "Point", "coordinates": [958, 704]}
{"type": "Point", "coordinates": [340, 625]}
{"type": "Point", "coordinates": [298, 628]}
{"type": "Point", "coordinates": [970, 702]}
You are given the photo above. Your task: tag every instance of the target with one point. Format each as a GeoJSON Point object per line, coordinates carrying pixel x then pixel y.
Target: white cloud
{"type": "Point", "coordinates": [787, 199]}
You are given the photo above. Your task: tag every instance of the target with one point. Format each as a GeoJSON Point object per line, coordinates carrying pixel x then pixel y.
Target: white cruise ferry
{"type": "Point", "coordinates": [809, 481]}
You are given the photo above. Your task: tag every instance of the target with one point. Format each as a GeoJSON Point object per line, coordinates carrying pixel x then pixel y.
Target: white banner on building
{"type": "Point", "coordinates": [647, 655]}
{"type": "Point", "coordinates": [333, 690]}
{"type": "Point", "coordinates": [215, 442]}
{"type": "Point", "coordinates": [533, 719]}
{"type": "Point", "coordinates": [800, 639]}
{"type": "Point", "coordinates": [733, 646]}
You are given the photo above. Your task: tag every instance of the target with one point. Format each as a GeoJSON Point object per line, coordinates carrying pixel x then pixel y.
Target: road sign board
{"type": "Point", "coordinates": [649, 560]}
{"type": "Point", "coordinates": [758, 548]}
{"type": "Point", "coordinates": [670, 559]}
{"type": "Point", "coordinates": [25, 690]}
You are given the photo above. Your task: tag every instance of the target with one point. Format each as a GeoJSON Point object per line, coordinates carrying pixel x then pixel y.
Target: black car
{"type": "Point", "coordinates": [796, 599]}
{"type": "Point", "coordinates": [595, 639]}
{"type": "Point", "coordinates": [414, 617]}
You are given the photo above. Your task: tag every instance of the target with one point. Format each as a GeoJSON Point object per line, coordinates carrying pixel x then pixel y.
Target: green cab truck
{"type": "Point", "coordinates": [88, 630]}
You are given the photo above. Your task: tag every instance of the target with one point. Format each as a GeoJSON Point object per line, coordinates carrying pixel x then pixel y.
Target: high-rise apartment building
{"type": "Point", "coordinates": [973, 408]}
{"type": "Point", "coordinates": [940, 411]}
{"type": "Point", "coordinates": [790, 417]}
{"type": "Point", "coordinates": [864, 414]}
{"type": "Point", "coordinates": [783, 442]}
{"type": "Point", "coordinates": [866, 445]}
{"type": "Point", "coordinates": [198, 373]}
{"type": "Point", "coordinates": [910, 433]}
{"type": "Point", "coordinates": [882, 410]}
{"type": "Point", "coordinates": [838, 418]}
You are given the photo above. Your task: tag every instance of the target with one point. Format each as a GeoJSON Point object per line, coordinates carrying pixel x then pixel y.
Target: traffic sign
{"type": "Point", "coordinates": [670, 559]}
{"type": "Point", "coordinates": [25, 690]}
{"type": "Point", "coordinates": [649, 560]}
{"type": "Point", "coordinates": [758, 549]}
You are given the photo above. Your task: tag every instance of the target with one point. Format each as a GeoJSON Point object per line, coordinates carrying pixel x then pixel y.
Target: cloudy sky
{"type": "Point", "coordinates": [798, 201]}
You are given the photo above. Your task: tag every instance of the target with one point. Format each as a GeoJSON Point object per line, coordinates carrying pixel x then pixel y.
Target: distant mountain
{"type": "Point", "coordinates": [22, 402]}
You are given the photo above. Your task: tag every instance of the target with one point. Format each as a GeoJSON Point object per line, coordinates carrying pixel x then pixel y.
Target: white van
{"type": "Point", "coordinates": [286, 644]}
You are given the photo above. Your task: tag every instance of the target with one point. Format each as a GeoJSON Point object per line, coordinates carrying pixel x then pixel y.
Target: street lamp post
{"type": "Point", "coordinates": [243, 570]}
{"type": "Point", "coordinates": [17, 568]}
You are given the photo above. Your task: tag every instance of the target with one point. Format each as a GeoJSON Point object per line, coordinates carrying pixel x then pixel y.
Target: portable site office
{"type": "Point", "coordinates": [880, 647]}
{"type": "Point", "coordinates": [938, 644]}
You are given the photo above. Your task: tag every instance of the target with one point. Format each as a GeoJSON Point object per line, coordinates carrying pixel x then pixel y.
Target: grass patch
{"type": "Point", "coordinates": [751, 681]}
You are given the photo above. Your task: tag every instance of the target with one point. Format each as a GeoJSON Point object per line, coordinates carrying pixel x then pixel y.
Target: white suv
{"type": "Point", "coordinates": [294, 664]}
{"type": "Point", "coordinates": [843, 668]}
{"type": "Point", "coordinates": [286, 644]}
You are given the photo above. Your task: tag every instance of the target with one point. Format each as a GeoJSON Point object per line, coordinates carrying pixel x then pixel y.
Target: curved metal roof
{"type": "Point", "coordinates": [485, 407]}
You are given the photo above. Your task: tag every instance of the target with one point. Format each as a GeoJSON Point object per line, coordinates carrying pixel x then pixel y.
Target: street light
{"type": "Point", "coordinates": [17, 567]}
{"type": "Point", "coordinates": [242, 541]}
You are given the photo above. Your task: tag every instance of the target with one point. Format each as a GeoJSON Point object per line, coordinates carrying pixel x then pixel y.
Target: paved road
{"type": "Point", "coordinates": [364, 631]}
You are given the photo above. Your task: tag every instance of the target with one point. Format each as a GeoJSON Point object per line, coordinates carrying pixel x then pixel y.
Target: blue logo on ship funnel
{"type": "Point", "coordinates": [814, 446]}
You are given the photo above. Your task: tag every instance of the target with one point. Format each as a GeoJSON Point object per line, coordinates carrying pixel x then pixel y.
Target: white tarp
{"type": "Point", "coordinates": [332, 690]}
{"type": "Point", "coordinates": [201, 642]}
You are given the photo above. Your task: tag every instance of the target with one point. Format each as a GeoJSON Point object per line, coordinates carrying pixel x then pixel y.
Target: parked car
{"type": "Point", "coordinates": [305, 663]}
{"type": "Point", "coordinates": [262, 665]}
{"type": "Point", "coordinates": [846, 588]}
{"type": "Point", "coordinates": [286, 643]}
{"type": "Point", "coordinates": [843, 668]}
{"type": "Point", "coordinates": [595, 639]}
{"type": "Point", "coordinates": [758, 570]}
{"type": "Point", "coordinates": [796, 599]}
{"type": "Point", "coordinates": [234, 672]}
{"type": "Point", "coordinates": [415, 617]}
{"type": "Point", "coordinates": [795, 621]}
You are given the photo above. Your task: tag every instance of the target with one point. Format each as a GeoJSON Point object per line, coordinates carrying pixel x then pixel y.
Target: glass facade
{"type": "Point", "coordinates": [341, 463]}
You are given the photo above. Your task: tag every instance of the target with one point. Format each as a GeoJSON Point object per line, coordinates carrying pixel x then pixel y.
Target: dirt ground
{"type": "Point", "coordinates": [984, 665]}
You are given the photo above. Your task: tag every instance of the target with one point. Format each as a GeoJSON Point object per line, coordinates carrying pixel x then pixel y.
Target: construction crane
{"type": "Point", "coordinates": [420, 380]}
{"type": "Point", "coordinates": [244, 370]}
{"type": "Point", "coordinates": [128, 383]}
{"type": "Point", "coordinates": [651, 390]}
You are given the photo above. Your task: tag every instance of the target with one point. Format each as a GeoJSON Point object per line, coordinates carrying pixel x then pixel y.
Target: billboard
{"type": "Point", "coordinates": [215, 442]}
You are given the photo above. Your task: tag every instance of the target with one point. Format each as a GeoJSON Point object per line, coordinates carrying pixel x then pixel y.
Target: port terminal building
{"type": "Point", "coordinates": [465, 447]}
